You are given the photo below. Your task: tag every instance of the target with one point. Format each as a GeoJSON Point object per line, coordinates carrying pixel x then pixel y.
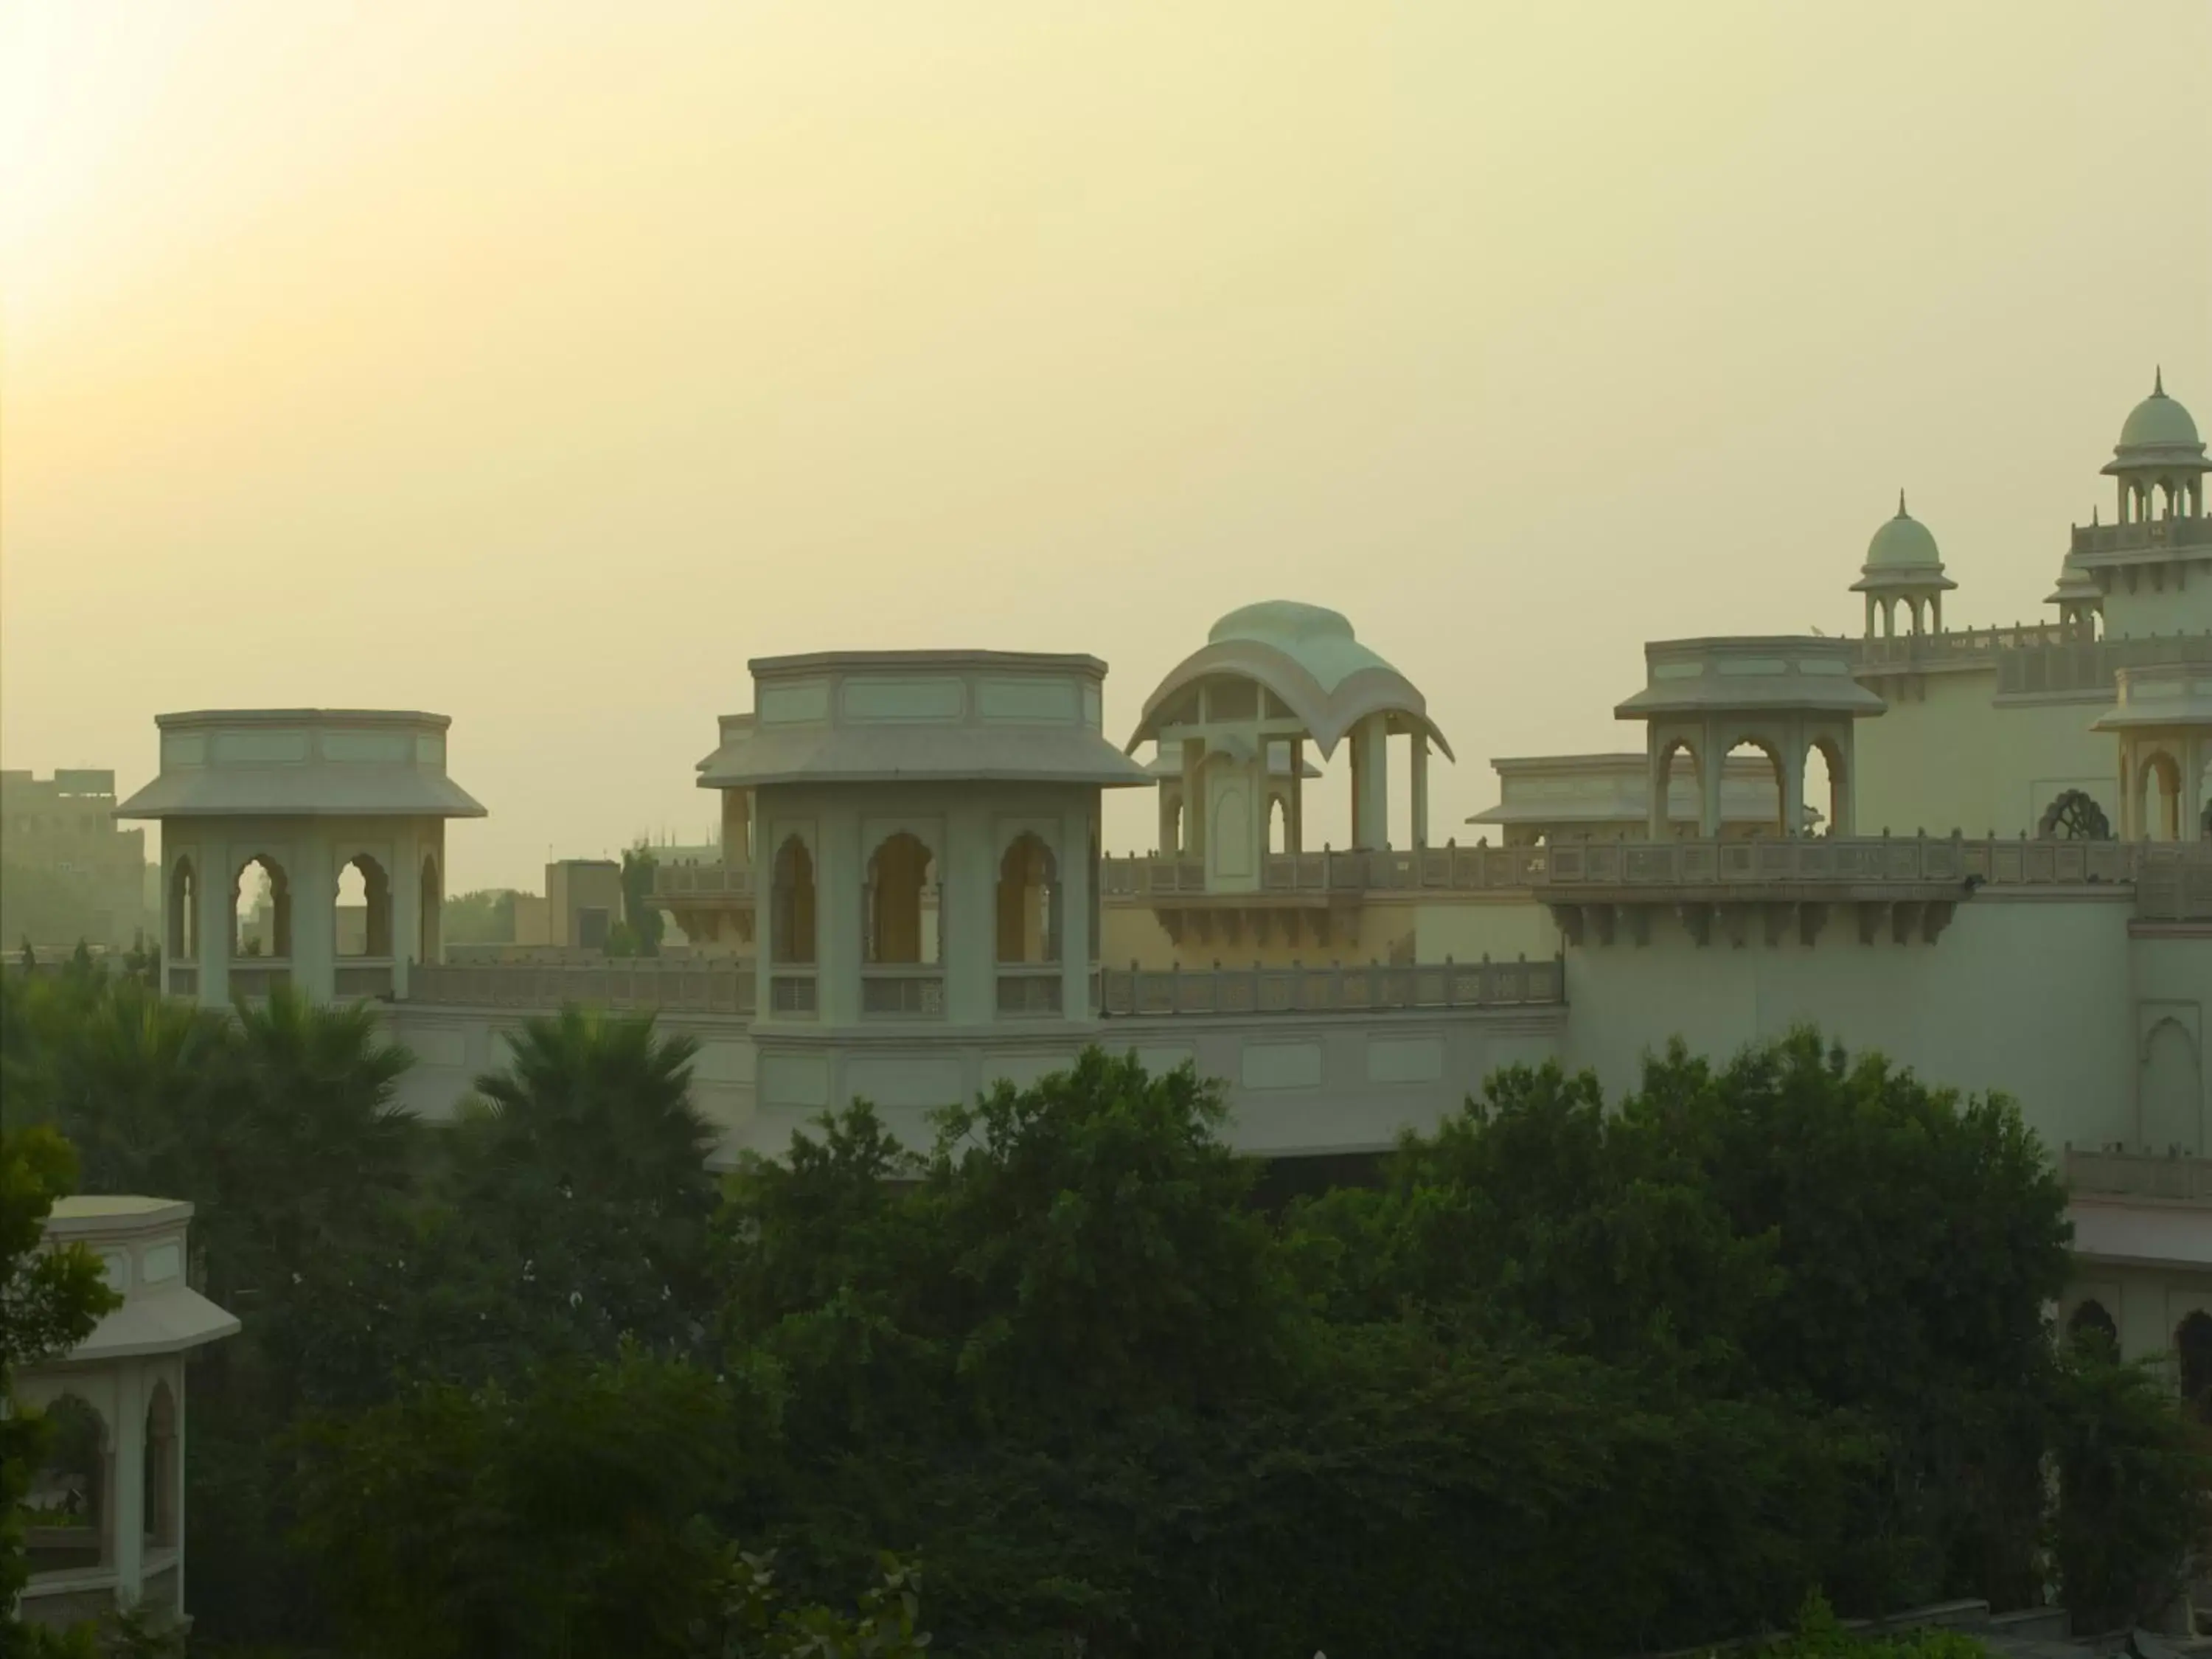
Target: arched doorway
{"type": "Point", "coordinates": [161, 1469]}
{"type": "Point", "coordinates": [361, 910]}
{"type": "Point", "coordinates": [2091, 1324]}
{"type": "Point", "coordinates": [68, 1505]}
{"type": "Point", "coordinates": [898, 883]}
{"type": "Point", "coordinates": [791, 919]}
{"type": "Point", "coordinates": [2158, 797]}
{"type": "Point", "coordinates": [2192, 1347]}
{"type": "Point", "coordinates": [1028, 902]}
{"type": "Point", "coordinates": [261, 907]}
{"type": "Point", "coordinates": [1029, 926]}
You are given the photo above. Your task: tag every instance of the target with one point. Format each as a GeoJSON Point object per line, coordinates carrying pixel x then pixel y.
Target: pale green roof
{"type": "Point", "coordinates": [1902, 543]}
{"type": "Point", "coordinates": [2158, 423]}
{"type": "Point", "coordinates": [1316, 638]}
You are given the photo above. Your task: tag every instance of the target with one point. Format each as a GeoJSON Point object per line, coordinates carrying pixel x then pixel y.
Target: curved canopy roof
{"type": "Point", "coordinates": [1307, 659]}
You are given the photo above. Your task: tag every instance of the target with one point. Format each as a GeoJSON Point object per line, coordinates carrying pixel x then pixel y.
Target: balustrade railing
{"type": "Point", "coordinates": [1993, 861]}
{"type": "Point", "coordinates": [2138, 1175]}
{"type": "Point", "coordinates": [2150, 534]}
{"type": "Point", "coordinates": [2175, 886]}
{"type": "Point", "coordinates": [701, 880]}
{"type": "Point", "coordinates": [1375, 988]}
{"type": "Point", "coordinates": [255, 978]}
{"type": "Point", "coordinates": [2042, 658]}
{"type": "Point", "coordinates": [1029, 991]}
{"type": "Point", "coordinates": [791, 994]}
{"type": "Point", "coordinates": [902, 993]}
{"type": "Point", "coordinates": [357, 978]}
{"type": "Point", "coordinates": [630, 983]}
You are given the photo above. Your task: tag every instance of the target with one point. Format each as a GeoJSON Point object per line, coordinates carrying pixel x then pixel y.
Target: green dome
{"type": "Point", "coordinates": [2158, 423]}
{"type": "Point", "coordinates": [1903, 544]}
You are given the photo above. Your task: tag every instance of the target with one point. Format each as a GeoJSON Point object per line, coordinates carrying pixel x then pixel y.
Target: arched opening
{"type": "Point", "coordinates": [791, 917]}
{"type": "Point", "coordinates": [898, 882]}
{"type": "Point", "coordinates": [160, 1488]}
{"type": "Point", "coordinates": [261, 904]}
{"type": "Point", "coordinates": [2074, 816]}
{"type": "Point", "coordinates": [183, 913]}
{"type": "Point", "coordinates": [1773, 819]}
{"type": "Point", "coordinates": [430, 910]}
{"type": "Point", "coordinates": [2192, 1347]}
{"type": "Point", "coordinates": [67, 1505]}
{"type": "Point", "coordinates": [1824, 789]}
{"type": "Point", "coordinates": [2091, 1325]}
{"type": "Point", "coordinates": [2172, 1115]}
{"type": "Point", "coordinates": [1028, 902]}
{"type": "Point", "coordinates": [1278, 824]}
{"type": "Point", "coordinates": [362, 919]}
{"type": "Point", "coordinates": [2158, 797]}
{"type": "Point", "coordinates": [1171, 835]}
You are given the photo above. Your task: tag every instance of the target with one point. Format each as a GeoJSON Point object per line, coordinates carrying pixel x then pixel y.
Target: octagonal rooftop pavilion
{"type": "Point", "coordinates": [306, 793]}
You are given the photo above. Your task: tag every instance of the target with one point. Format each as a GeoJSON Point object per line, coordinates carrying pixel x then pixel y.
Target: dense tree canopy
{"type": "Point", "coordinates": [1587, 1377]}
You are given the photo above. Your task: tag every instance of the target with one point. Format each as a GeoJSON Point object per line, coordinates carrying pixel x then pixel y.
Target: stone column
{"type": "Point", "coordinates": [1171, 838]}
{"type": "Point", "coordinates": [313, 874]}
{"type": "Point", "coordinates": [126, 1520]}
{"type": "Point", "coordinates": [1656, 746]}
{"type": "Point", "coordinates": [1370, 783]}
{"type": "Point", "coordinates": [1420, 831]}
{"type": "Point", "coordinates": [406, 891]}
{"type": "Point", "coordinates": [840, 877]}
{"type": "Point", "coordinates": [1792, 781]}
{"type": "Point", "coordinates": [1712, 766]}
{"type": "Point", "coordinates": [2197, 747]}
{"type": "Point", "coordinates": [968, 913]}
{"type": "Point", "coordinates": [1195, 799]}
{"type": "Point", "coordinates": [1076, 947]}
{"type": "Point", "coordinates": [218, 920]}
{"type": "Point", "coordinates": [1294, 825]}
{"type": "Point", "coordinates": [1869, 615]}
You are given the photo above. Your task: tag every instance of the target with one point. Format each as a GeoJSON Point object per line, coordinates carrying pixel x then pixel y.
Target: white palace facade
{"type": "Point", "coordinates": [2005, 883]}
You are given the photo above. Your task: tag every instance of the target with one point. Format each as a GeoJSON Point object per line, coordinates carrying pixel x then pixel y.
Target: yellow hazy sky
{"type": "Point", "coordinates": [538, 364]}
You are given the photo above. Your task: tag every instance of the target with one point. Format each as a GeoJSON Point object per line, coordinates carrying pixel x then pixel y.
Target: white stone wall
{"type": "Point", "coordinates": [2034, 994]}
{"type": "Point", "coordinates": [1947, 756]}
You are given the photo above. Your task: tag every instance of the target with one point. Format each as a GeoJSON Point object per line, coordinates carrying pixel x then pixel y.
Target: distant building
{"type": "Point", "coordinates": [72, 873]}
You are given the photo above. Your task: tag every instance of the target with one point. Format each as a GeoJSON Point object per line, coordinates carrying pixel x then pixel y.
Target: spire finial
{"type": "Point", "coordinates": [1900, 504]}
{"type": "Point", "coordinates": [2158, 381]}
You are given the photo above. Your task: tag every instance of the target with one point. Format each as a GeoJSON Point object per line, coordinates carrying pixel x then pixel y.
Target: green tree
{"type": "Point", "coordinates": [484, 917]}
{"type": "Point", "coordinates": [645, 923]}
{"type": "Point", "coordinates": [50, 1300]}
{"type": "Point", "coordinates": [581, 1169]}
{"type": "Point", "coordinates": [2135, 1482]}
{"type": "Point", "coordinates": [562, 1516]}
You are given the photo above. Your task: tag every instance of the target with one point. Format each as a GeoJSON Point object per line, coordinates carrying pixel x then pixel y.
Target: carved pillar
{"type": "Point", "coordinates": [1420, 826]}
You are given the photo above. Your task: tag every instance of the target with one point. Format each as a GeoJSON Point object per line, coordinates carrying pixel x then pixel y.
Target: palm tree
{"type": "Point", "coordinates": [319, 1144]}
{"type": "Point", "coordinates": [586, 1162]}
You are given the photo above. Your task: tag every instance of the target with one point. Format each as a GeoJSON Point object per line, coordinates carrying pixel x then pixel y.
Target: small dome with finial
{"type": "Point", "coordinates": [2158, 422]}
{"type": "Point", "coordinates": [1903, 544]}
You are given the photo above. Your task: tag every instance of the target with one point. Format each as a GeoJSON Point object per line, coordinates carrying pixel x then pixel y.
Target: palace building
{"type": "Point", "coordinates": [1986, 851]}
